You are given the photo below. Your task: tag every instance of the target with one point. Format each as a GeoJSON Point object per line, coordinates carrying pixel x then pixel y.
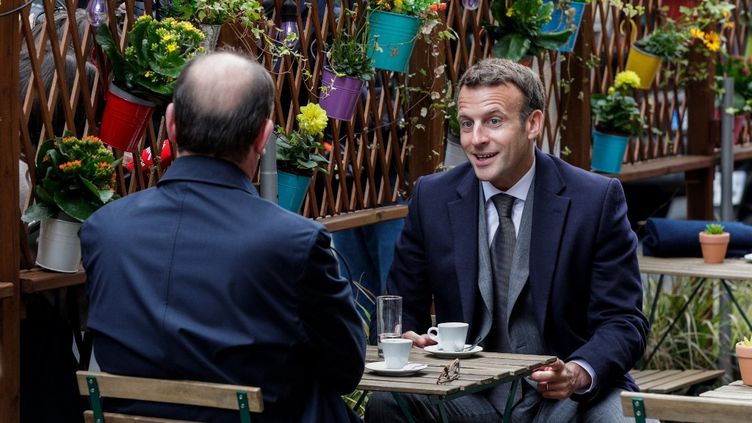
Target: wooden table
{"type": "Point", "coordinates": [729, 270]}
{"type": "Point", "coordinates": [479, 372]}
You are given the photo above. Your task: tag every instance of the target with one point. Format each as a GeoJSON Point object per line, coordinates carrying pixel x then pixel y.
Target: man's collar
{"type": "Point", "coordinates": [209, 170]}
{"type": "Point", "coordinates": [518, 190]}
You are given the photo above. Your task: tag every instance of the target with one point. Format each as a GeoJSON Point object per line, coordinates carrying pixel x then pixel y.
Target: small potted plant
{"type": "Point", "coordinates": [667, 43]}
{"type": "Point", "coordinates": [299, 155]}
{"type": "Point", "coordinates": [393, 27]}
{"type": "Point", "coordinates": [714, 241]}
{"type": "Point", "coordinates": [616, 117]}
{"type": "Point", "coordinates": [144, 75]}
{"type": "Point", "coordinates": [349, 67]}
{"type": "Point", "coordinates": [519, 29]}
{"type": "Point", "coordinates": [744, 356]}
{"type": "Point", "coordinates": [75, 177]}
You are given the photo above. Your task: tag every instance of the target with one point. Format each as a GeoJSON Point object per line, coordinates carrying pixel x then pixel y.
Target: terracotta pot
{"type": "Point", "coordinates": [714, 246]}
{"type": "Point", "coordinates": [744, 355]}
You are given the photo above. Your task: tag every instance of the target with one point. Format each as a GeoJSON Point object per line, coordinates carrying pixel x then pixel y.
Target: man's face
{"type": "Point", "coordinates": [499, 145]}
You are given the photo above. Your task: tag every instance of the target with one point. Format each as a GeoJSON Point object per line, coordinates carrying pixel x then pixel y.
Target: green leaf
{"type": "Point", "coordinates": [75, 207]}
{"type": "Point", "coordinates": [513, 47]}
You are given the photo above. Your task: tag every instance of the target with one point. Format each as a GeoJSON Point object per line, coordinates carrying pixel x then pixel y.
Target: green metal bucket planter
{"type": "Point", "coordinates": [391, 38]}
{"type": "Point", "coordinates": [292, 190]}
{"type": "Point", "coordinates": [608, 152]}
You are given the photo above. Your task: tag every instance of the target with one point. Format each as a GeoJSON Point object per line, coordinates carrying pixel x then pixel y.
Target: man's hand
{"type": "Point", "coordinates": [419, 341]}
{"type": "Point", "coordinates": [560, 380]}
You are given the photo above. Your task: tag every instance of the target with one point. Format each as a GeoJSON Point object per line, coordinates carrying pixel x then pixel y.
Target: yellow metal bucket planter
{"type": "Point", "coordinates": [645, 65]}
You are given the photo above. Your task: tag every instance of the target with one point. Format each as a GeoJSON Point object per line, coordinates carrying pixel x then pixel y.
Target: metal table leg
{"type": "Point", "coordinates": [405, 409]}
{"type": "Point", "coordinates": [673, 322]}
{"type": "Point", "coordinates": [510, 401]}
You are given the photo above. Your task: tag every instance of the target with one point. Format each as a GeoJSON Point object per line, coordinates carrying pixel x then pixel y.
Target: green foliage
{"type": "Point", "coordinates": [667, 42]}
{"type": "Point", "coordinates": [301, 150]}
{"type": "Point", "coordinates": [75, 176]}
{"type": "Point", "coordinates": [156, 54]}
{"type": "Point", "coordinates": [518, 32]}
{"type": "Point", "coordinates": [617, 112]}
{"type": "Point", "coordinates": [348, 54]}
{"type": "Point", "coordinates": [419, 8]}
{"type": "Point", "coordinates": [746, 342]}
{"type": "Point", "coordinates": [714, 228]}
{"type": "Point", "coordinates": [217, 12]}
{"type": "Point", "coordinates": [694, 343]}
{"type": "Point", "coordinates": [740, 69]}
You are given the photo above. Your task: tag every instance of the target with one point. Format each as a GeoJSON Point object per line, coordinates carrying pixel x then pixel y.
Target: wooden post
{"type": "Point", "coordinates": [9, 213]}
{"type": "Point", "coordinates": [575, 135]}
{"type": "Point", "coordinates": [700, 100]}
{"type": "Point", "coordinates": [427, 139]}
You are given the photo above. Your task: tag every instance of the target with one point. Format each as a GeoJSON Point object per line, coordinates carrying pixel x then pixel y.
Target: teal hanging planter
{"type": "Point", "coordinates": [608, 152]}
{"type": "Point", "coordinates": [391, 38]}
{"type": "Point", "coordinates": [292, 190]}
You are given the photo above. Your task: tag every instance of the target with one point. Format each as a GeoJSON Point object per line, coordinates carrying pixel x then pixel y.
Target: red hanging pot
{"type": "Point", "coordinates": [124, 120]}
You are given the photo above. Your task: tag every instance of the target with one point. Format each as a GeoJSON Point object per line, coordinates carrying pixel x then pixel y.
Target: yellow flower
{"type": "Point", "coordinates": [312, 120]}
{"type": "Point", "coordinates": [611, 90]}
{"type": "Point", "coordinates": [626, 79]}
{"type": "Point", "coordinates": [712, 41]}
{"type": "Point", "coordinates": [171, 47]}
{"type": "Point", "coordinates": [148, 74]}
{"type": "Point", "coordinates": [510, 12]}
{"type": "Point", "coordinates": [398, 4]}
{"type": "Point", "coordinates": [726, 14]}
{"type": "Point", "coordinates": [697, 33]}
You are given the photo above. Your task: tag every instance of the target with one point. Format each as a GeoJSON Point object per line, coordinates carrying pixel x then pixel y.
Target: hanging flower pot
{"type": "Point", "coordinates": [339, 95]}
{"type": "Point", "coordinates": [211, 36]}
{"type": "Point", "coordinates": [608, 152]}
{"type": "Point", "coordinates": [59, 247]}
{"type": "Point", "coordinates": [124, 120]}
{"type": "Point", "coordinates": [391, 38]}
{"type": "Point", "coordinates": [292, 190]}
{"type": "Point", "coordinates": [644, 64]}
{"type": "Point", "coordinates": [560, 21]}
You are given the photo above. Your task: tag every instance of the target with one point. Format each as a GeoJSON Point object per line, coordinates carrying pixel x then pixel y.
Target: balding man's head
{"type": "Point", "coordinates": [221, 103]}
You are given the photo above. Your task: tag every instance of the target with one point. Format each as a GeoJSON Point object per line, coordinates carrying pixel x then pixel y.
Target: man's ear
{"type": "Point", "coordinates": [263, 136]}
{"type": "Point", "coordinates": [534, 124]}
{"type": "Point", "coordinates": [170, 122]}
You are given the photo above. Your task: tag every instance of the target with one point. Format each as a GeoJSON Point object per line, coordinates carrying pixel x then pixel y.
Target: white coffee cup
{"type": "Point", "coordinates": [396, 352]}
{"type": "Point", "coordinates": [450, 335]}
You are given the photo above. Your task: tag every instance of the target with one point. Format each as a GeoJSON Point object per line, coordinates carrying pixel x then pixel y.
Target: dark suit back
{"type": "Point", "coordinates": [200, 278]}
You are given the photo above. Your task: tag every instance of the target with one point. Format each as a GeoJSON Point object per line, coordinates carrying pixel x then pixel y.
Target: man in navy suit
{"type": "Point", "coordinates": [537, 255]}
{"type": "Point", "coordinates": [199, 278]}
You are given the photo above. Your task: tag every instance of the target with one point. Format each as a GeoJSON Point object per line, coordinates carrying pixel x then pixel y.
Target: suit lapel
{"type": "Point", "coordinates": [463, 218]}
{"type": "Point", "coordinates": [549, 217]}
{"type": "Point", "coordinates": [521, 260]}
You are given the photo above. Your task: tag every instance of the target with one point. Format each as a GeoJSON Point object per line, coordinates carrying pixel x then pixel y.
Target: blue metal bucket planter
{"type": "Point", "coordinates": [292, 190]}
{"type": "Point", "coordinates": [559, 22]}
{"type": "Point", "coordinates": [608, 152]}
{"type": "Point", "coordinates": [391, 38]}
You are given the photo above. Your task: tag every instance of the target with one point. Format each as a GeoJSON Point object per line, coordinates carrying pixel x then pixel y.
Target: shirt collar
{"type": "Point", "coordinates": [518, 190]}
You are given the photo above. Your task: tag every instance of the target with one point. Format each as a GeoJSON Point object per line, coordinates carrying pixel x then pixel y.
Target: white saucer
{"type": "Point", "coordinates": [434, 349]}
{"type": "Point", "coordinates": [748, 257]}
{"type": "Point", "coordinates": [380, 368]}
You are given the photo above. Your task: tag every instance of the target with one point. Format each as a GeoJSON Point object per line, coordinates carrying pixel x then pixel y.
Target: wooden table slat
{"type": "Point", "coordinates": [6, 289]}
{"type": "Point", "coordinates": [687, 379]}
{"type": "Point", "coordinates": [36, 280]}
{"type": "Point", "coordinates": [481, 369]}
{"type": "Point", "coordinates": [730, 269]}
{"type": "Point", "coordinates": [656, 379]}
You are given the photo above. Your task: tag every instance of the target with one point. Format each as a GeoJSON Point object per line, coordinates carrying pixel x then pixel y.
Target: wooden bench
{"type": "Point", "coordinates": [244, 399]}
{"type": "Point", "coordinates": [642, 405]}
{"type": "Point", "coordinates": [669, 381]}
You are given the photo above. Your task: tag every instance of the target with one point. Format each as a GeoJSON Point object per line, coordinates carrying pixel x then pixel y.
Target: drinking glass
{"type": "Point", "coordinates": [388, 318]}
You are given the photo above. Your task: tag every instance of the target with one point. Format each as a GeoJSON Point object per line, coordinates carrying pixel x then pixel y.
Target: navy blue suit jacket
{"type": "Point", "coordinates": [199, 278]}
{"type": "Point", "coordinates": [584, 277]}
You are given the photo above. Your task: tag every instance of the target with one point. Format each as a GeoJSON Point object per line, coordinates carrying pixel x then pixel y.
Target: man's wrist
{"type": "Point", "coordinates": [582, 378]}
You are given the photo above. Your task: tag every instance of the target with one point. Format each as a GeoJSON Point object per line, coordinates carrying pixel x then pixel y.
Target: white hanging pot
{"type": "Point", "coordinates": [59, 246]}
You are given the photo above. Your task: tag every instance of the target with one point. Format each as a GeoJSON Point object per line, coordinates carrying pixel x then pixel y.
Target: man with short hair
{"type": "Point", "coordinates": [201, 279]}
{"type": "Point", "coordinates": [537, 255]}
